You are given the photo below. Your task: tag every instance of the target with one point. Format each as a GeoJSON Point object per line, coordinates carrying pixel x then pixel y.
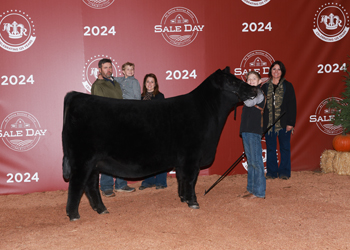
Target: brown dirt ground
{"type": "Point", "coordinates": [309, 211]}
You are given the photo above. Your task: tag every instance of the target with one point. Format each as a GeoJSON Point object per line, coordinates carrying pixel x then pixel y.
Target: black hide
{"type": "Point", "coordinates": [133, 139]}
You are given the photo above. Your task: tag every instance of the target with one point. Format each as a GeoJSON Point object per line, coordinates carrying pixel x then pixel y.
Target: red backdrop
{"type": "Point", "coordinates": [49, 48]}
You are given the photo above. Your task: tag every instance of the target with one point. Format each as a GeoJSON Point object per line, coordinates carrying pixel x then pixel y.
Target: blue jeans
{"type": "Point", "coordinates": [107, 182]}
{"type": "Point", "coordinates": [256, 176]}
{"type": "Point", "coordinates": [158, 180]}
{"type": "Point", "coordinates": [271, 145]}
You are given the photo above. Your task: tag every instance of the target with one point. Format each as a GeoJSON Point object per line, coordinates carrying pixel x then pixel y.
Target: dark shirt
{"type": "Point", "coordinates": [289, 105]}
{"type": "Point", "coordinates": [251, 119]}
{"type": "Point", "coordinates": [159, 96]}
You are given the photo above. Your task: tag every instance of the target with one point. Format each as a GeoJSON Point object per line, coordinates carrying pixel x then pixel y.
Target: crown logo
{"type": "Point", "coordinates": [15, 30]}
{"type": "Point", "coordinates": [332, 21]}
{"type": "Point", "coordinates": [94, 72]}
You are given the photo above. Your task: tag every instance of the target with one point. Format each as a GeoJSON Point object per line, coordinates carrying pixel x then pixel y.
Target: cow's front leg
{"type": "Point", "coordinates": [93, 193]}
{"type": "Point", "coordinates": [188, 179]}
{"type": "Point", "coordinates": [191, 186]}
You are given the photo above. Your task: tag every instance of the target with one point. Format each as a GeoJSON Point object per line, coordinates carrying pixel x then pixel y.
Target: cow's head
{"type": "Point", "coordinates": [231, 83]}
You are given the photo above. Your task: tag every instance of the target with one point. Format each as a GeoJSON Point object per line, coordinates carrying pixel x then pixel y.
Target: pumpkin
{"type": "Point", "coordinates": [341, 143]}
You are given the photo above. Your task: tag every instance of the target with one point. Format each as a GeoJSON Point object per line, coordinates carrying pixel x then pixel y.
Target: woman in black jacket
{"type": "Point", "coordinates": [150, 91]}
{"type": "Point", "coordinates": [280, 98]}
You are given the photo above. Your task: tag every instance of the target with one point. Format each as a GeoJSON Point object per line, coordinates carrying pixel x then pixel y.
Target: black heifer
{"type": "Point", "coordinates": [133, 139]}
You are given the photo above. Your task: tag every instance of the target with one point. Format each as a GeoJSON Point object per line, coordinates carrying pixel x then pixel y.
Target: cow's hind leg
{"type": "Point", "coordinates": [93, 193]}
{"type": "Point", "coordinates": [75, 191]}
{"type": "Point", "coordinates": [187, 179]}
{"type": "Point", "coordinates": [77, 182]}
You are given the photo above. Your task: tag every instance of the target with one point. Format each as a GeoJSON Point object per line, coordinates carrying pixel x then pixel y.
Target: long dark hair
{"type": "Point", "coordinates": [283, 69]}
{"type": "Point", "coordinates": [156, 86]}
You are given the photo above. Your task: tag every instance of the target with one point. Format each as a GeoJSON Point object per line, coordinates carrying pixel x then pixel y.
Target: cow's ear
{"type": "Point", "coordinates": [227, 69]}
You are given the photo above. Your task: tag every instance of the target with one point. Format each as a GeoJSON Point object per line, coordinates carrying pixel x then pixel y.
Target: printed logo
{"type": "Point", "coordinates": [98, 4]}
{"type": "Point", "coordinates": [17, 31]}
{"type": "Point", "coordinates": [331, 22]}
{"type": "Point", "coordinates": [264, 157]}
{"type": "Point", "coordinates": [91, 72]}
{"type": "Point", "coordinates": [179, 27]}
{"type": "Point", "coordinates": [256, 3]}
{"type": "Point", "coordinates": [323, 116]}
{"type": "Point", "coordinates": [257, 60]}
{"type": "Point", "coordinates": [21, 131]}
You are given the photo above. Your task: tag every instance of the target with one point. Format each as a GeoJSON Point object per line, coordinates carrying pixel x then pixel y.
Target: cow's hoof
{"type": "Point", "coordinates": [194, 206]}
{"type": "Point", "coordinates": [74, 218]}
{"type": "Point", "coordinates": [104, 212]}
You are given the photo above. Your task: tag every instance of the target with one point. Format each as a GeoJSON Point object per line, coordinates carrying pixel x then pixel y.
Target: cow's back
{"type": "Point", "coordinates": [131, 131]}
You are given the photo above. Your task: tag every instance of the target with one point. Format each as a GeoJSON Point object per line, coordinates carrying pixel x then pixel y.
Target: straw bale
{"type": "Point", "coordinates": [341, 163]}
{"type": "Point", "coordinates": [327, 161]}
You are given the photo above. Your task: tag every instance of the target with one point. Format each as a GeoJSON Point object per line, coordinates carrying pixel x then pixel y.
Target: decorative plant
{"type": "Point", "coordinates": [341, 111]}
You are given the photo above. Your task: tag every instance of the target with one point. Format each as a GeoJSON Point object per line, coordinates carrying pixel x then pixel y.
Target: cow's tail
{"type": "Point", "coordinates": [66, 168]}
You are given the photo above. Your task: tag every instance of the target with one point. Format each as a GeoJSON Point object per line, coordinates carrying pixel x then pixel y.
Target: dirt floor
{"type": "Point", "coordinates": [311, 210]}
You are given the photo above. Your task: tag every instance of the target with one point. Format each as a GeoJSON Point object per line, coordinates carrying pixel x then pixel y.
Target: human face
{"type": "Point", "coordinates": [276, 72]}
{"type": "Point", "coordinates": [107, 70]}
{"type": "Point", "coordinates": [253, 80]}
{"type": "Point", "coordinates": [150, 84]}
{"type": "Point", "coordinates": [128, 71]}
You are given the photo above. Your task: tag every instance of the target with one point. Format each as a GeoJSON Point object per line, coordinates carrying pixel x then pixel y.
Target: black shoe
{"type": "Point", "coordinates": [126, 189]}
{"type": "Point", "coordinates": [144, 187]}
{"type": "Point", "coordinates": [283, 177]}
{"type": "Point", "coordinates": [269, 177]}
{"type": "Point", "coordinates": [108, 193]}
{"type": "Point", "coordinates": [160, 187]}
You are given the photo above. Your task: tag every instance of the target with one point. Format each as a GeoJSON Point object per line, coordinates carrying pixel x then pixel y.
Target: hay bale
{"type": "Point", "coordinates": [341, 163]}
{"type": "Point", "coordinates": [327, 161]}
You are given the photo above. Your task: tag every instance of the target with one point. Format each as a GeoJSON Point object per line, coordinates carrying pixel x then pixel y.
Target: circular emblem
{"type": "Point", "coordinates": [331, 22]}
{"type": "Point", "coordinates": [17, 31]}
{"type": "Point", "coordinates": [91, 72]}
{"type": "Point", "coordinates": [323, 116]}
{"type": "Point", "coordinates": [179, 27]}
{"type": "Point", "coordinates": [255, 3]}
{"type": "Point", "coordinates": [257, 60]}
{"type": "Point", "coordinates": [98, 4]}
{"type": "Point", "coordinates": [21, 131]}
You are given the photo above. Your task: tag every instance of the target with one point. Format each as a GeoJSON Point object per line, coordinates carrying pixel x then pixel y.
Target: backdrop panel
{"type": "Point", "coordinates": [49, 48]}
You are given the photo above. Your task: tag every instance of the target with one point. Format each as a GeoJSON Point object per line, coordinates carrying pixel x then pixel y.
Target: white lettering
{"type": "Point", "coordinates": [200, 28]}
{"type": "Point", "coordinates": [158, 28]}
{"type": "Point", "coordinates": [30, 132]}
{"type": "Point", "coordinates": [266, 70]}
{"type": "Point", "coordinates": [188, 27]}
{"type": "Point", "coordinates": [312, 118]}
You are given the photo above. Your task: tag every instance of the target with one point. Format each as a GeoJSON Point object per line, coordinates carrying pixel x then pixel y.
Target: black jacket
{"type": "Point", "coordinates": [289, 105]}
{"type": "Point", "coordinates": [159, 96]}
{"type": "Point", "coordinates": [251, 119]}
